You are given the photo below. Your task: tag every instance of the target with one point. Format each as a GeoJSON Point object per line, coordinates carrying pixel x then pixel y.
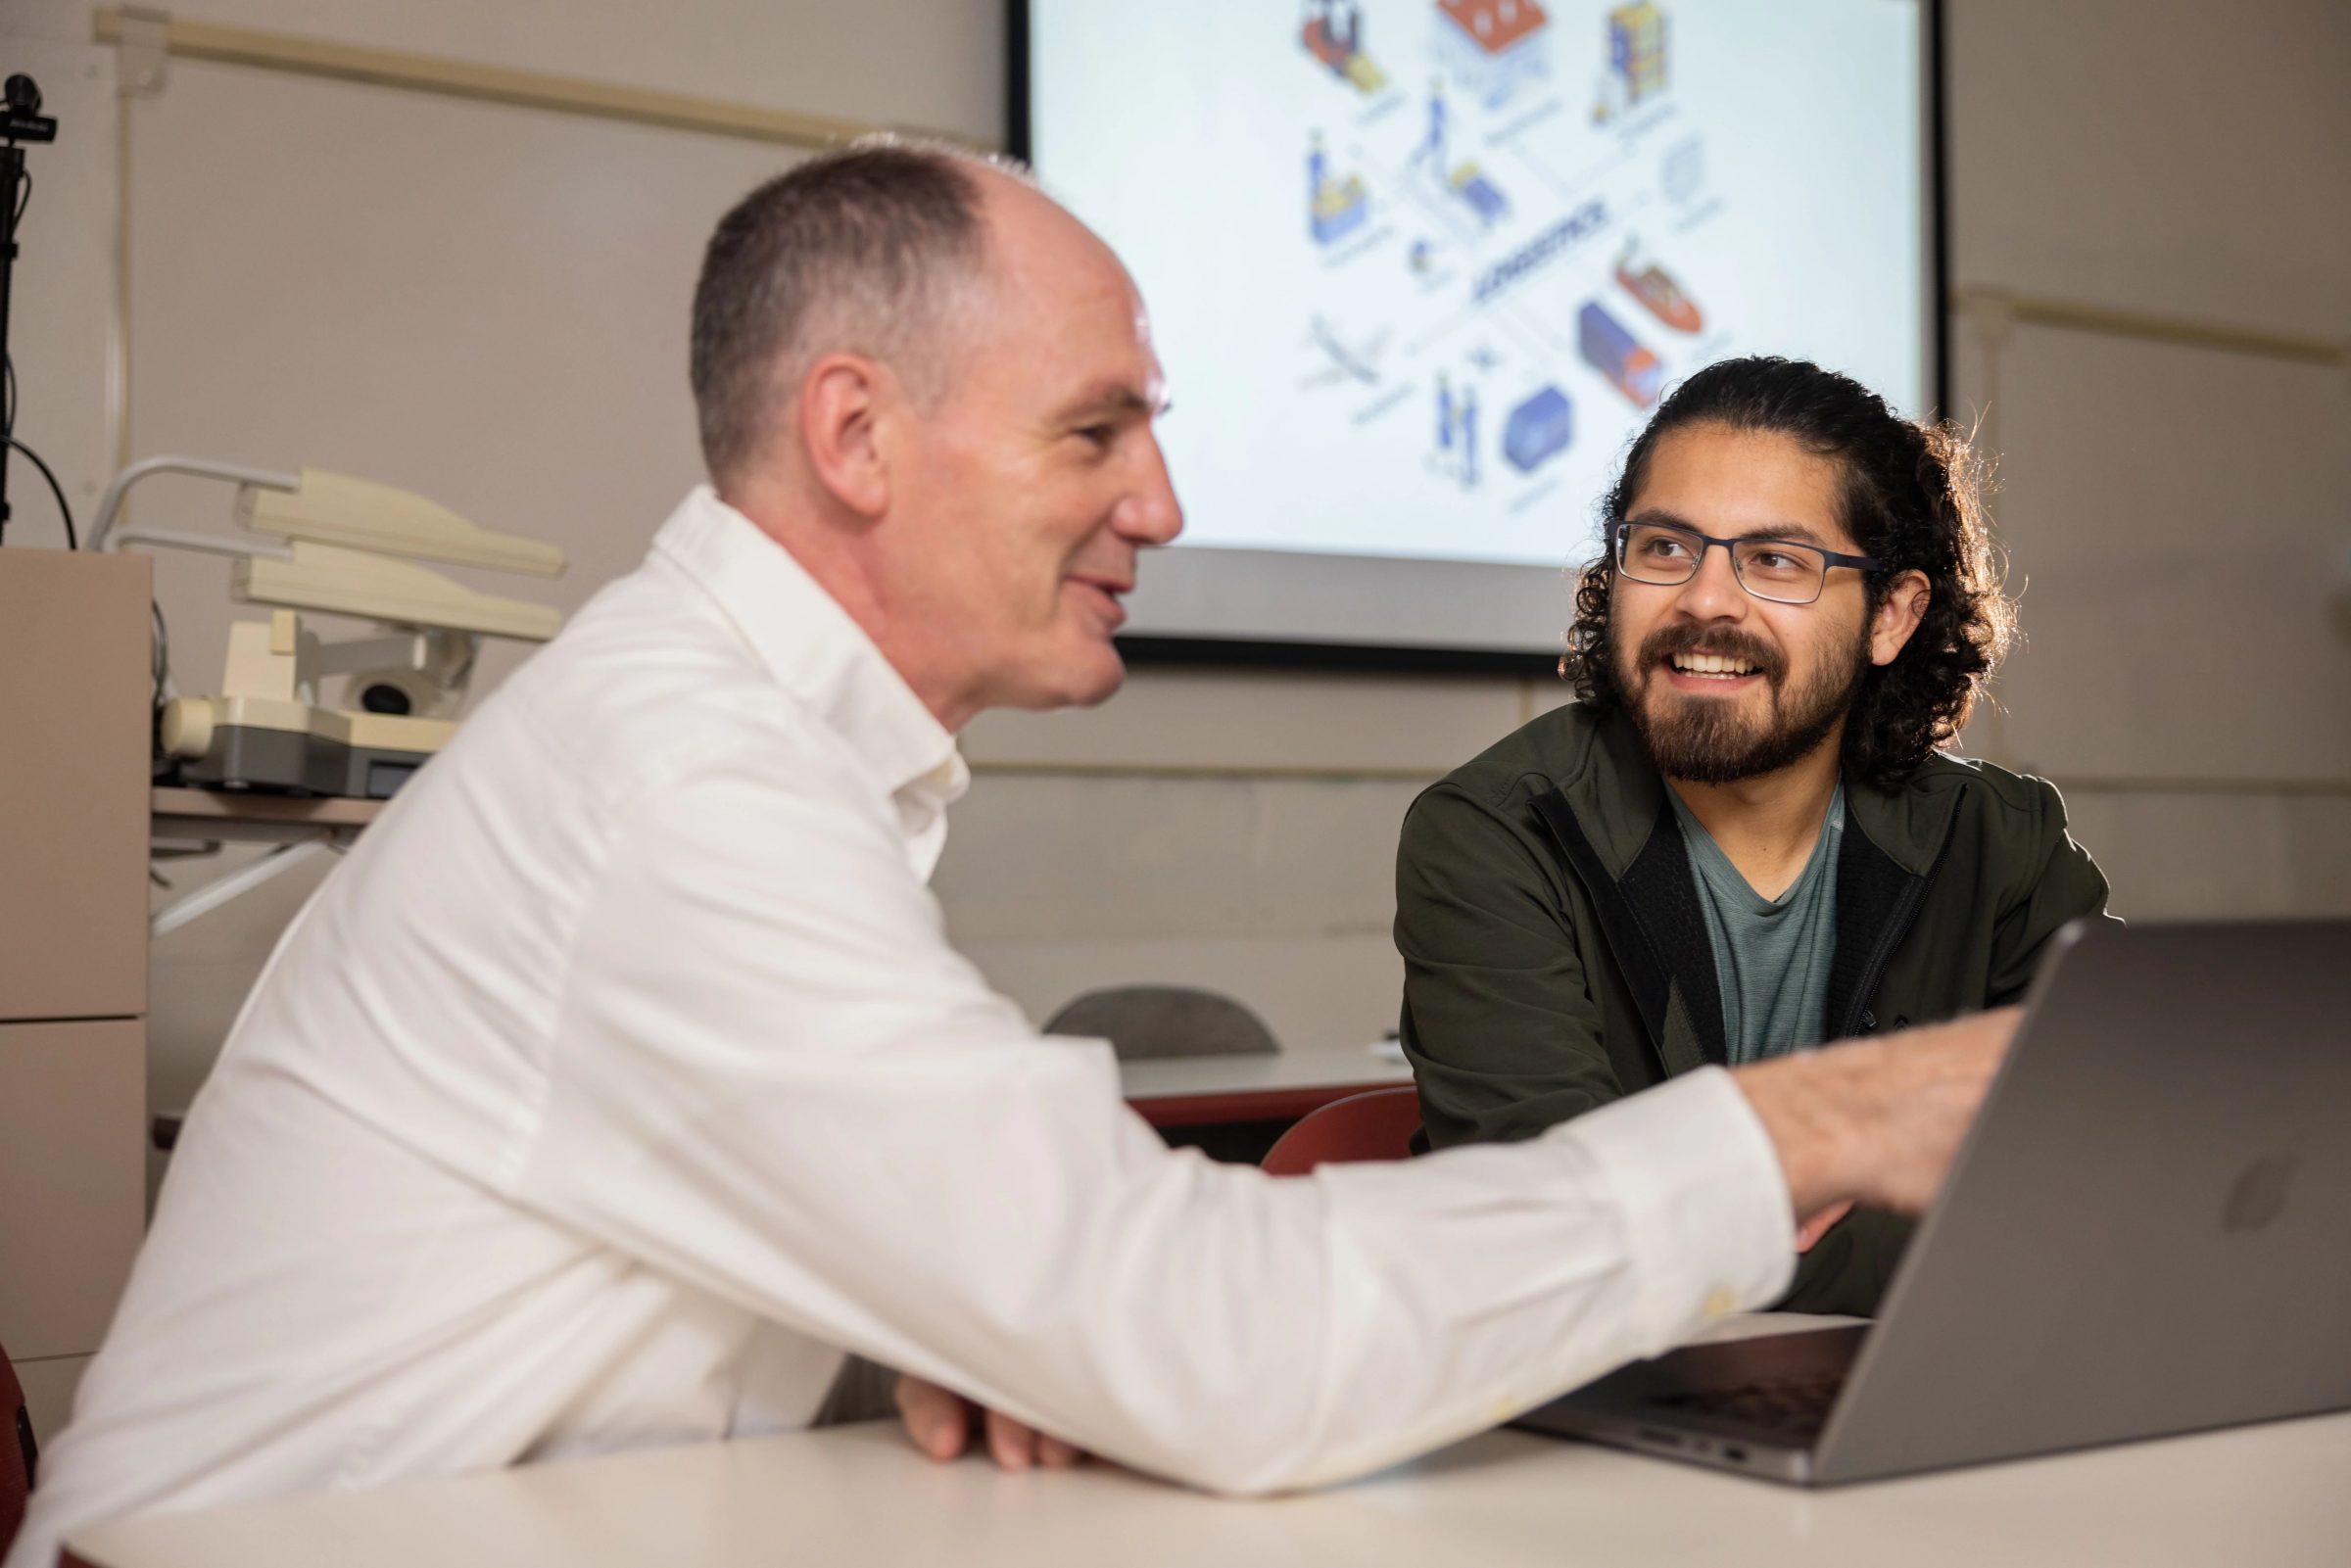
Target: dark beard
{"type": "Point", "coordinates": [1702, 741]}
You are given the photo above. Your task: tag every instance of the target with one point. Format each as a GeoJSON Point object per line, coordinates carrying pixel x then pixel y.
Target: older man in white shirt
{"type": "Point", "coordinates": [622, 1078]}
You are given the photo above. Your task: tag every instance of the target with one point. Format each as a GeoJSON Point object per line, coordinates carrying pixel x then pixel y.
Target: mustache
{"type": "Point", "coordinates": [1668, 641]}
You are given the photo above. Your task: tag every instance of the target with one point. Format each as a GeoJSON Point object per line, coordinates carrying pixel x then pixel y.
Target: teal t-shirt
{"type": "Point", "coordinates": [1772, 956]}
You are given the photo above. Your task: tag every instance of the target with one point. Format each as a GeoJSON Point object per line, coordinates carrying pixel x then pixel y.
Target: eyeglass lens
{"type": "Point", "coordinates": [1768, 568]}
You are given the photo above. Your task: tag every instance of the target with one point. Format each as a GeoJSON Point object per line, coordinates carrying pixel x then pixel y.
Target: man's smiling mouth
{"type": "Point", "coordinates": [1111, 594]}
{"type": "Point", "coordinates": [1719, 665]}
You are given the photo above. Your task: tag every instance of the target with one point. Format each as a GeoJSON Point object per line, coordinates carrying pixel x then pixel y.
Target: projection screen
{"type": "Point", "coordinates": [1419, 269]}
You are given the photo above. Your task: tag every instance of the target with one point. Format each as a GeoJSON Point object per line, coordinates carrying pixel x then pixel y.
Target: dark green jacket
{"type": "Point", "coordinates": [1555, 957]}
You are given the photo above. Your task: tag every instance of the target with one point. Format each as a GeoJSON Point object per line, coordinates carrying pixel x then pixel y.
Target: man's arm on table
{"type": "Point", "coordinates": [1856, 1121]}
{"type": "Point", "coordinates": [779, 1083]}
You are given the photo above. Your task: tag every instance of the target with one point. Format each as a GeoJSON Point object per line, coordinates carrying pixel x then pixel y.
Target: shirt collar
{"type": "Point", "coordinates": [807, 641]}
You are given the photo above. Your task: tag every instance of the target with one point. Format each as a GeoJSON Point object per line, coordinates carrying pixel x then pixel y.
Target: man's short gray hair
{"type": "Point", "coordinates": [859, 251]}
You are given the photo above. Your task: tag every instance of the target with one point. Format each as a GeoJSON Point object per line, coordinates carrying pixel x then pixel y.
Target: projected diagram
{"type": "Point", "coordinates": [1464, 181]}
{"type": "Point", "coordinates": [1518, 225]}
{"type": "Point", "coordinates": [1503, 302]}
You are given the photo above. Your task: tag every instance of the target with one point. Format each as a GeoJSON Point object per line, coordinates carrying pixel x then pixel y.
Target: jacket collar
{"type": "Point", "coordinates": [811, 647]}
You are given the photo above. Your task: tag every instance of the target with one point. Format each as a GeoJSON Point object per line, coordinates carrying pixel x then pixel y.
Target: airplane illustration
{"type": "Point", "coordinates": [1358, 361]}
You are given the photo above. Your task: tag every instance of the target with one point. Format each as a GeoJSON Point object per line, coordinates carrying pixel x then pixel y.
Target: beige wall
{"type": "Point", "coordinates": [2181, 518]}
{"type": "Point", "coordinates": [1236, 830]}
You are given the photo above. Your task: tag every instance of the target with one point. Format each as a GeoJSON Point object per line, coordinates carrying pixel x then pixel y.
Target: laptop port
{"type": "Point", "coordinates": [1732, 1452]}
{"type": "Point", "coordinates": [1669, 1440]}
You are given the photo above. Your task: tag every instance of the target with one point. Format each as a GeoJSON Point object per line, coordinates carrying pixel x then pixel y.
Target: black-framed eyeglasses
{"type": "Point", "coordinates": [1780, 570]}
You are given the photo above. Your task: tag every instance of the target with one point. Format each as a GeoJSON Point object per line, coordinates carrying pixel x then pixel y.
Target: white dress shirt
{"type": "Point", "coordinates": [622, 1077]}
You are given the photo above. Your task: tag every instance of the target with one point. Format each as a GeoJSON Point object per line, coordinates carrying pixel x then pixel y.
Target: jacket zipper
{"type": "Point", "coordinates": [1895, 929]}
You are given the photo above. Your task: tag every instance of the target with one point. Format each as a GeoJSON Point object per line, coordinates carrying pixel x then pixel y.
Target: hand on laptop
{"type": "Point", "coordinates": [940, 1423]}
{"type": "Point", "coordinates": [1877, 1121]}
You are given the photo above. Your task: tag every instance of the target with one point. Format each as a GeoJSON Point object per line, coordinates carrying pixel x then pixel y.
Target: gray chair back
{"type": "Point", "coordinates": [1145, 1022]}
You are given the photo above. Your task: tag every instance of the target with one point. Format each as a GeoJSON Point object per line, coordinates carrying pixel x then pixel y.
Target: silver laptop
{"type": "Point", "coordinates": [2147, 1231]}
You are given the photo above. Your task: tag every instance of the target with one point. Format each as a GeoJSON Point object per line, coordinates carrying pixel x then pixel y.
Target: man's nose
{"type": "Point", "coordinates": [1149, 513]}
{"type": "Point", "coordinates": [1715, 593]}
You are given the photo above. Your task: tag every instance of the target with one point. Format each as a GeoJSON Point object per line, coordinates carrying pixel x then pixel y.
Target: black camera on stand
{"type": "Point", "coordinates": [20, 122]}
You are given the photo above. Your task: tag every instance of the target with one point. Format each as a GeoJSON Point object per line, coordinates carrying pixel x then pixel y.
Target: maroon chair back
{"type": "Point", "coordinates": [1375, 1125]}
{"type": "Point", "coordinates": [15, 1454]}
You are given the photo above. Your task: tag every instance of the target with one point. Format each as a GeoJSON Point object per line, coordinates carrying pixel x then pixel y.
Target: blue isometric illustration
{"type": "Point", "coordinates": [1524, 219]}
{"type": "Point", "coordinates": [1540, 428]}
{"type": "Point", "coordinates": [1336, 205]}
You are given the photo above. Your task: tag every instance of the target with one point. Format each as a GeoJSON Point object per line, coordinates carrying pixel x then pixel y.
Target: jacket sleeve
{"type": "Point", "coordinates": [2060, 883]}
{"type": "Point", "coordinates": [1499, 1020]}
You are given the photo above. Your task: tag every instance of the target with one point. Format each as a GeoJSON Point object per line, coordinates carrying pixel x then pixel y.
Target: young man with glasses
{"type": "Point", "coordinates": [1744, 840]}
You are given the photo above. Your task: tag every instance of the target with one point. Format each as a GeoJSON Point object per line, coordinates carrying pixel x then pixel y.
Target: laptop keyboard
{"type": "Point", "coordinates": [1795, 1405]}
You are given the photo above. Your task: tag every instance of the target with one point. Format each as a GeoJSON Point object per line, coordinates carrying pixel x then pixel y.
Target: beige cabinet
{"type": "Point", "coordinates": [72, 1178]}
{"type": "Point", "coordinates": [74, 704]}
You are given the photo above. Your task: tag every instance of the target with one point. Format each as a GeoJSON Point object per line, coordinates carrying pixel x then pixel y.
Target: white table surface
{"type": "Point", "coordinates": [1312, 1067]}
{"type": "Point", "coordinates": [2274, 1495]}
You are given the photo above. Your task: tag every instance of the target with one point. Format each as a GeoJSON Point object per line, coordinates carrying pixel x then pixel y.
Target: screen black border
{"type": "Point", "coordinates": [1235, 652]}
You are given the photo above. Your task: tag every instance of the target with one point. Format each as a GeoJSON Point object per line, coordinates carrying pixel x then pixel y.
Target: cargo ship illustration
{"type": "Point", "coordinates": [1655, 288]}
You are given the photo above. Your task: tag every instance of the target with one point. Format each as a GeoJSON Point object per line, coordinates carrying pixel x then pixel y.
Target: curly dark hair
{"type": "Point", "coordinates": [1912, 496]}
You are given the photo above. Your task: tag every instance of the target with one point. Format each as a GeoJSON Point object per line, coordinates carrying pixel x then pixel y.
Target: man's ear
{"type": "Point", "coordinates": [1897, 616]}
{"type": "Point", "coordinates": [842, 408]}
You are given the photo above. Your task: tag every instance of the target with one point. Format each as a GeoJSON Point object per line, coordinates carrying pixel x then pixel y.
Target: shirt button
{"type": "Point", "coordinates": [1721, 1302]}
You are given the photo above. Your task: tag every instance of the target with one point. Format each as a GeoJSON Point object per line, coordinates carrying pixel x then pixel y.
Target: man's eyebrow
{"type": "Point", "coordinates": [1793, 532]}
{"type": "Point", "coordinates": [1114, 400]}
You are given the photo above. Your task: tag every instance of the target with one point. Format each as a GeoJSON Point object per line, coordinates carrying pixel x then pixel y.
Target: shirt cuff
{"type": "Point", "coordinates": [1706, 1206]}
